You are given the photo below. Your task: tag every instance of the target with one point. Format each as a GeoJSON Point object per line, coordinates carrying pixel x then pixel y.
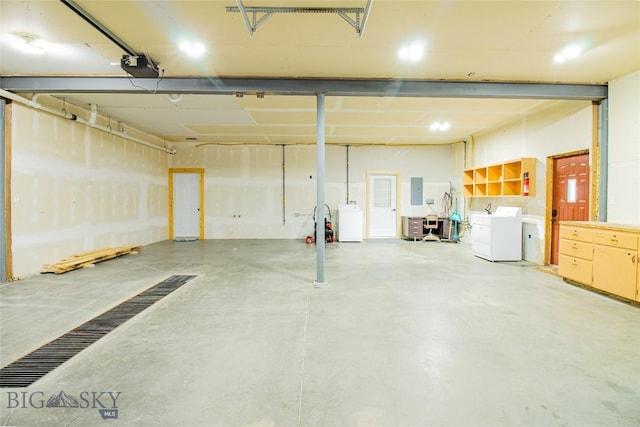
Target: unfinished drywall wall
{"type": "Point", "coordinates": [432, 164]}
{"type": "Point", "coordinates": [76, 189]}
{"type": "Point", "coordinates": [623, 202]}
{"type": "Point", "coordinates": [244, 183]}
{"type": "Point", "coordinates": [564, 128]}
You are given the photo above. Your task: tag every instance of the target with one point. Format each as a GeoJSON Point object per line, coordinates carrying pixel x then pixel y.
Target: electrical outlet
{"type": "Point", "coordinates": [430, 201]}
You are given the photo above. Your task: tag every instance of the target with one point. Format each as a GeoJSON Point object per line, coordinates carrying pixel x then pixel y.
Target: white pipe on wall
{"type": "Point", "coordinates": [70, 116]}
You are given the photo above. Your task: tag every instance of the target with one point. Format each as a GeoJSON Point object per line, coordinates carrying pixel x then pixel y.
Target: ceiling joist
{"type": "Point", "coordinates": [253, 17]}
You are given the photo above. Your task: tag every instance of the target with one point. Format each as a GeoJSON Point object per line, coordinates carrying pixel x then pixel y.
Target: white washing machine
{"type": "Point", "coordinates": [497, 236]}
{"type": "Point", "coordinates": [349, 223]}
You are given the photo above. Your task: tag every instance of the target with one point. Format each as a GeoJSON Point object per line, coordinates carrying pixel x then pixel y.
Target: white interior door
{"type": "Point", "coordinates": [382, 206]}
{"type": "Point", "coordinates": [186, 205]}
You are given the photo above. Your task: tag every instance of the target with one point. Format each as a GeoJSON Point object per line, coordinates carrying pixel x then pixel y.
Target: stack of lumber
{"type": "Point", "coordinates": [88, 259]}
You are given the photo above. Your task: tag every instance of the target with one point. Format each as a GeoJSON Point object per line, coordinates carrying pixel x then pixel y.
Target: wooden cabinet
{"type": "Point", "coordinates": [500, 180]}
{"type": "Point", "coordinates": [637, 280]}
{"type": "Point", "coordinates": [614, 263]}
{"type": "Point", "coordinates": [601, 255]}
{"type": "Point", "coordinates": [575, 260]}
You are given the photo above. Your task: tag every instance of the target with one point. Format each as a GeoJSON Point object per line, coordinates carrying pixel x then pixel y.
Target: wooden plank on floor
{"type": "Point", "coordinates": [88, 258]}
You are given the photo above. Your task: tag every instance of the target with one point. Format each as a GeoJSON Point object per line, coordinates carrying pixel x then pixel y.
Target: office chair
{"type": "Point", "coordinates": [431, 223]}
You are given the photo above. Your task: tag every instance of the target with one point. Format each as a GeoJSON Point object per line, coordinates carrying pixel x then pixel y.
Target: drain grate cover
{"type": "Point", "coordinates": [35, 365]}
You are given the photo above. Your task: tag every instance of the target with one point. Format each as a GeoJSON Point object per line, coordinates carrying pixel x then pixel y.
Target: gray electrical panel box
{"type": "Point", "coordinates": [416, 191]}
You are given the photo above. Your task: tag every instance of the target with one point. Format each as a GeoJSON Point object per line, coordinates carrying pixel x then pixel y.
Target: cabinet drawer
{"type": "Point", "coordinates": [576, 233]}
{"type": "Point", "coordinates": [415, 222]}
{"type": "Point", "coordinates": [615, 239]}
{"type": "Point", "coordinates": [415, 231]}
{"type": "Point", "coordinates": [575, 269]}
{"type": "Point", "coordinates": [576, 249]}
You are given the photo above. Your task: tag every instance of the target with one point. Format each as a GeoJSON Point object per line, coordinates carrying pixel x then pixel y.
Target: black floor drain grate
{"type": "Point", "coordinates": [35, 365]}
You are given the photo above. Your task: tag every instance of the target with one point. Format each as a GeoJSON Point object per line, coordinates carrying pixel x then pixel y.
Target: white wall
{"type": "Point", "coordinates": [76, 189]}
{"type": "Point", "coordinates": [623, 203]}
{"type": "Point", "coordinates": [564, 128]}
{"type": "Point", "coordinates": [243, 194]}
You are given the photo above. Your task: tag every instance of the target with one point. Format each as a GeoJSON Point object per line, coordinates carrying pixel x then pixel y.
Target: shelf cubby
{"type": "Point", "coordinates": [512, 187]}
{"type": "Point", "coordinates": [513, 170]}
{"type": "Point", "coordinates": [480, 175]}
{"type": "Point", "coordinates": [480, 190]}
{"type": "Point", "coordinates": [494, 189]}
{"type": "Point", "coordinates": [494, 173]}
{"type": "Point", "coordinates": [467, 177]}
{"type": "Point", "coordinates": [500, 180]}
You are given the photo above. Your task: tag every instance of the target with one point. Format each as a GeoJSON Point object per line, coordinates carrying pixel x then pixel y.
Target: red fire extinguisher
{"type": "Point", "coordinates": [525, 188]}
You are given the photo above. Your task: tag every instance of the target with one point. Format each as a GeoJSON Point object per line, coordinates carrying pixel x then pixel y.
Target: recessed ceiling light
{"type": "Point", "coordinates": [569, 52]}
{"type": "Point", "coordinates": [439, 126]}
{"type": "Point", "coordinates": [193, 49]}
{"type": "Point", "coordinates": [412, 52]}
{"type": "Point", "coordinates": [175, 97]}
{"type": "Point", "coordinates": [27, 44]}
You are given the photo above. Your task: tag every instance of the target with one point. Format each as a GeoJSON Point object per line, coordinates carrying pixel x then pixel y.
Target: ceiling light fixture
{"type": "Point", "coordinates": [412, 52]}
{"type": "Point", "coordinates": [27, 44]}
{"type": "Point", "coordinates": [569, 52]}
{"type": "Point", "coordinates": [175, 97]}
{"type": "Point", "coordinates": [439, 126]}
{"type": "Point", "coordinates": [193, 49]}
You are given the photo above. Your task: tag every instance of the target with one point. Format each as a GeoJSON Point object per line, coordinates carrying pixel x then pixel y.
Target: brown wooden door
{"type": "Point", "coordinates": [570, 195]}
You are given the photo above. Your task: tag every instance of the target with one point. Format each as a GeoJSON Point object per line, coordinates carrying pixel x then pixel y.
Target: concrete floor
{"type": "Point", "coordinates": [405, 334]}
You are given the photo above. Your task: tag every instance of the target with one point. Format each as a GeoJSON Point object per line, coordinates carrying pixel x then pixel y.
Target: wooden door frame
{"type": "Point", "coordinates": [199, 171]}
{"type": "Point", "coordinates": [594, 178]}
{"type": "Point", "coordinates": [398, 198]}
{"type": "Point", "coordinates": [549, 197]}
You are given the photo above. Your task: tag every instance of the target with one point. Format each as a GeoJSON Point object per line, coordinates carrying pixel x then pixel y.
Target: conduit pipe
{"type": "Point", "coordinates": [263, 144]}
{"type": "Point", "coordinates": [284, 206]}
{"type": "Point", "coordinates": [5, 213]}
{"type": "Point", "coordinates": [347, 166]}
{"type": "Point", "coordinates": [94, 114]}
{"type": "Point", "coordinates": [70, 116]}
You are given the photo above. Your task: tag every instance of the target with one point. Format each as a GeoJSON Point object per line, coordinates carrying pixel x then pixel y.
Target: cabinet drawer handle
{"type": "Point", "coordinates": [614, 241]}
{"type": "Point", "coordinates": [574, 247]}
{"type": "Point", "coordinates": [574, 263]}
{"type": "Point", "coordinates": [574, 234]}
{"type": "Point", "coordinates": [633, 259]}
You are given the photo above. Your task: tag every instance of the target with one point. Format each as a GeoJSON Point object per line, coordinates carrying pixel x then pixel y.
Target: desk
{"type": "Point", "coordinates": [413, 227]}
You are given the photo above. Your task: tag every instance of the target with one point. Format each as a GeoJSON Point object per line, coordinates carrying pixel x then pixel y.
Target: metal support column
{"type": "Point", "coordinates": [603, 130]}
{"type": "Point", "coordinates": [3, 211]}
{"type": "Point", "coordinates": [320, 280]}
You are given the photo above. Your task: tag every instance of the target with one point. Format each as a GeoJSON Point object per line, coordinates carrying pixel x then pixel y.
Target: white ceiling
{"type": "Point", "coordinates": [467, 41]}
